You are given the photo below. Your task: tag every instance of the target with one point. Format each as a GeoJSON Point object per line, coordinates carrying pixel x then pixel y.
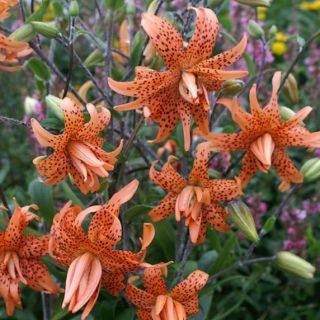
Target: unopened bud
{"type": "Point", "coordinates": [273, 31]}
{"type": "Point", "coordinates": [53, 104]}
{"type": "Point", "coordinates": [153, 7]}
{"type": "Point", "coordinates": [24, 33]}
{"type": "Point", "coordinates": [255, 30]}
{"type": "Point", "coordinates": [255, 3]}
{"type": "Point", "coordinates": [292, 88]}
{"type": "Point", "coordinates": [94, 58]}
{"type": "Point", "coordinates": [311, 170]}
{"type": "Point", "coordinates": [287, 113]}
{"type": "Point", "coordinates": [288, 261]}
{"type": "Point", "coordinates": [242, 217]}
{"type": "Point", "coordinates": [47, 29]}
{"type": "Point", "coordinates": [74, 9]}
{"type": "Point", "coordinates": [30, 105]}
{"type": "Point", "coordinates": [232, 87]}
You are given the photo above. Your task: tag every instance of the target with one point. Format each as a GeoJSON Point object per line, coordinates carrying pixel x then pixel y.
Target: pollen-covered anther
{"type": "Point", "coordinates": [188, 87]}
{"type": "Point", "coordinates": [263, 148]}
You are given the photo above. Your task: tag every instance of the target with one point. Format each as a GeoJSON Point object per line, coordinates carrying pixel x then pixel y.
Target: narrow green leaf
{"type": "Point", "coordinates": [41, 195]}
{"type": "Point", "coordinates": [70, 194]}
{"type": "Point", "coordinates": [39, 69]}
{"type": "Point", "coordinates": [137, 211]}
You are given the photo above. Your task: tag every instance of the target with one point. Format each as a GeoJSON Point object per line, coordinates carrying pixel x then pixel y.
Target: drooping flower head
{"type": "Point", "coordinates": [196, 198]}
{"type": "Point", "coordinates": [156, 302]}
{"type": "Point", "coordinates": [20, 259]}
{"type": "Point", "coordinates": [10, 52]}
{"type": "Point", "coordinates": [182, 90]}
{"type": "Point", "coordinates": [78, 150]}
{"type": "Point", "coordinates": [5, 5]}
{"type": "Point", "coordinates": [92, 263]}
{"type": "Point", "coordinates": [264, 137]}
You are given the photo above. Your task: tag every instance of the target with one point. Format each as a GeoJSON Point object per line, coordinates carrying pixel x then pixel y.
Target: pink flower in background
{"type": "Point", "coordinates": [221, 162]}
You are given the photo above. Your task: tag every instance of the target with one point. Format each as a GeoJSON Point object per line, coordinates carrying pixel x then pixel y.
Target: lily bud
{"type": "Point", "coordinates": [53, 104]}
{"type": "Point", "coordinates": [311, 170]}
{"type": "Point", "coordinates": [232, 87]}
{"type": "Point", "coordinates": [25, 33]}
{"type": "Point", "coordinates": [292, 88]}
{"type": "Point", "coordinates": [255, 3]}
{"type": "Point", "coordinates": [29, 105]}
{"type": "Point", "coordinates": [255, 30]}
{"type": "Point", "coordinates": [286, 113]}
{"type": "Point", "coordinates": [94, 58]}
{"type": "Point", "coordinates": [47, 29]}
{"type": "Point", "coordinates": [288, 261]}
{"type": "Point", "coordinates": [242, 217]}
{"type": "Point", "coordinates": [273, 31]}
{"type": "Point", "coordinates": [74, 9]}
{"type": "Point", "coordinates": [153, 6]}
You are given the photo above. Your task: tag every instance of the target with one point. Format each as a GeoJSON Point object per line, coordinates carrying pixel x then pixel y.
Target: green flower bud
{"type": "Point", "coordinates": [255, 3]}
{"type": "Point", "coordinates": [286, 113]}
{"type": "Point", "coordinates": [53, 104]}
{"type": "Point", "coordinates": [153, 6]}
{"type": "Point", "coordinates": [273, 31]}
{"type": "Point", "coordinates": [94, 58]}
{"type": "Point", "coordinates": [232, 87]}
{"type": "Point", "coordinates": [255, 30]}
{"type": "Point", "coordinates": [288, 261]}
{"type": "Point", "coordinates": [291, 87]}
{"type": "Point", "coordinates": [74, 9]}
{"type": "Point", "coordinates": [311, 170]}
{"type": "Point", "coordinates": [29, 105]}
{"type": "Point", "coordinates": [47, 29]}
{"type": "Point", "coordinates": [242, 217]}
{"type": "Point", "coordinates": [24, 33]}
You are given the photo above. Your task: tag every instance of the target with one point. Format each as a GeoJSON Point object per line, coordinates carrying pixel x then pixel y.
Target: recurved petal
{"type": "Point", "coordinates": [216, 216]}
{"type": "Point", "coordinates": [224, 189]}
{"type": "Point", "coordinates": [298, 117]}
{"type": "Point", "coordinates": [34, 247]}
{"type": "Point", "coordinates": [165, 38]}
{"type": "Point", "coordinates": [140, 298]}
{"type": "Point", "coordinates": [112, 281]}
{"type": "Point", "coordinates": [168, 178]}
{"type": "Point", "coordinates": [273, 108]}
{"type": "Point", "coordinates": [228, 141]}
{"type": "Point", "coordinates": [215, 75]}
{"type": "Point", "coordinates": [184, 110]}
{"type": "Point", "coordinates": [188, 288]}
{"type": "Point", "coordinates": [204, 37]}
{"type": "Point", "coordinates": [38, 276]}
{"type": "Point", "coordinates": [285, 167]}
{"type": "Point", "coordinates": [98, 122]}
{"type": "Point", "coordinates": [255, 107]}
{"type": "Point", "coordinates": [192, 306]}
{"type": "Point", "coordinates": [248, 169]}
{"type": "Point", "coordinates": [54, 168]}
{"type": "Point", "coordinates": [153, 281]}
{"type": "Point", "coordinates": [73, 117]}
{"type": "Point", "coordinates": [47, 139]}
{"type": "Point", "coordinates": [201, 115]}
{"type": "Point", "coordinates": [199, 172]}
{"type": "Point", "coordinates": [227, 58]}
{"type": "Point", "coordinates": [77, 177]}
{"type": "Point", "coordinates": [239, 116]}
{"type": "Point", "coordinates": [165, 208]}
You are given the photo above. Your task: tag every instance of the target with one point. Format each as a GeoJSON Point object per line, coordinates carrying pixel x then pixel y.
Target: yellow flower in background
{"type": "Point", "coordinates": [310, 6]}
{"type": "Point", "coordinates": [262, 12]}
{"type": "Point", "coordinates": [279, 46]}
{"type": "Point", "coordinates": [49, 15]}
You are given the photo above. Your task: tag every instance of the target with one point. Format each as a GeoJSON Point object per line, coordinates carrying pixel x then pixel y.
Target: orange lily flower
{"type": "Point", "coordinates": [5, 5]}
{"type": "Point", "coordinates": [92, 262]}
{"type": "Point", "coordinates": [156, 303]}
{"type": "Point", "coordinates": [20, 259]}
{"type": "Point", "coordinates": [182, 90]}
{"type": "Point", "coordinates": [264, 137]}
{"type": "Point", "coordinates": [197, 198]}
{"type": "Point", "coordinates": [10, 51]}
{"type": "Point", "coordinates": [78, 150]}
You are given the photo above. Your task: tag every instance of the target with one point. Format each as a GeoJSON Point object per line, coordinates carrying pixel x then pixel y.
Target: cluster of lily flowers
{"type": "Point", "coordinates": [166, 97]}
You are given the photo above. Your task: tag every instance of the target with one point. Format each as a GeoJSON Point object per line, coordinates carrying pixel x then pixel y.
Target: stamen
{"type": "Point", "coordinates": [263, 148]}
